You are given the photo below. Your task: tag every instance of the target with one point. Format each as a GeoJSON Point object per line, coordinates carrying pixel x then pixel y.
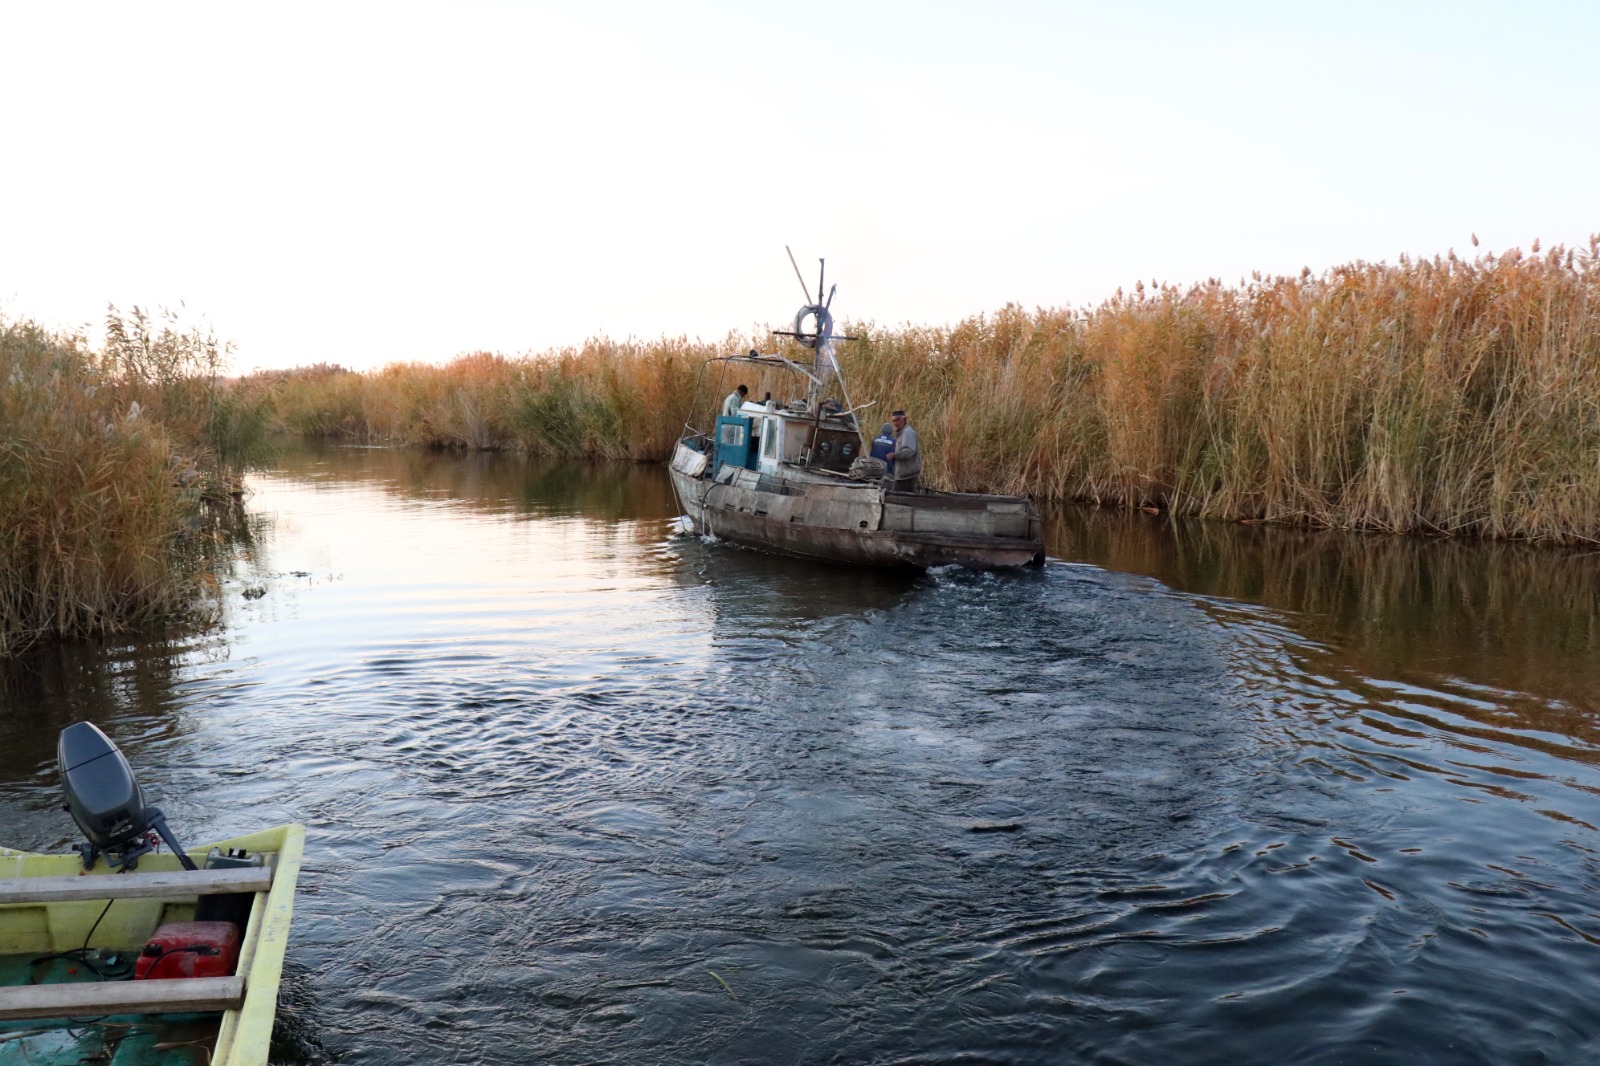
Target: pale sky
{"type": "Point", "coordinates": [366, 183]}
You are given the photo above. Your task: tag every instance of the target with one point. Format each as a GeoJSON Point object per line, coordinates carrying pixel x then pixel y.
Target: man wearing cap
{"type": "Point", "coordinates": [907, 454]}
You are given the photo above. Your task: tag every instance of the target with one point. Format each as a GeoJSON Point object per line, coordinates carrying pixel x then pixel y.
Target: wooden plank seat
{"type": "Point", "coordinates": [176, 884]}
{"type": "Point", "coordinates": [179, 995]}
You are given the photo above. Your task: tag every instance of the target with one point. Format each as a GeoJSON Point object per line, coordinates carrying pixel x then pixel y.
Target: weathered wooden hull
{"type": "Point", "coordinates": [841, 521]}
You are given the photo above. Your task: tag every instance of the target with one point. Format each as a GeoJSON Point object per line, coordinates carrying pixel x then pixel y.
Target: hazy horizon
{"type": "Point", "coordinates": [368, 184]}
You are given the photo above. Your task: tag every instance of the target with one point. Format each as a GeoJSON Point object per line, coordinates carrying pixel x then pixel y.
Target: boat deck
{"type": "Point", "coordinates": [109, 1040]}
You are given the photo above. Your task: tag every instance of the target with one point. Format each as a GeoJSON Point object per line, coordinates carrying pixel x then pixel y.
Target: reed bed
{"type": "Point", "coordinates": [172, 374]}
{"type": "Point", "coordinates": [1440, 396]}
{"type": "Point", "coordinates": [622, 400]}
{"type": "Point", "coordinates": [113, 468]}
{"type": "Point", "coordinates": [90, 498]}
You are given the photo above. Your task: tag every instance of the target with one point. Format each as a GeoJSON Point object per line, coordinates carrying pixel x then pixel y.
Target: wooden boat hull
{"type": "Point", "coordinates": [837, 520]}
{"type": "Point", "coordinates": [47, 905]}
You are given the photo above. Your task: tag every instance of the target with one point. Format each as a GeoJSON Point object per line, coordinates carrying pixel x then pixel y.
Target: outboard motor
{"type": "Point", "coordinates": [106, 802]}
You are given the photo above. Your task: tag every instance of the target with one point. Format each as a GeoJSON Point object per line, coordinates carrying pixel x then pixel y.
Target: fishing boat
{"type": "Point", "coordinates": [796, 475]}
{"type": "Point", "coordinates": [123, 954]}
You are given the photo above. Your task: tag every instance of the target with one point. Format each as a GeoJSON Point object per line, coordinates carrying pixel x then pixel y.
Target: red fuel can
{"type": "Point", "coordinates": [190, 949]}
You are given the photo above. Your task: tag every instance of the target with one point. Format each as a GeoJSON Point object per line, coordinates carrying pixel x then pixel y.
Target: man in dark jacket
{"type": "Point", "coordinates": [907, 454]}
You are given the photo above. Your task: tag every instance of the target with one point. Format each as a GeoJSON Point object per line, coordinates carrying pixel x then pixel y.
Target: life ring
{"type": "Point", "coordinates": [824, 325]}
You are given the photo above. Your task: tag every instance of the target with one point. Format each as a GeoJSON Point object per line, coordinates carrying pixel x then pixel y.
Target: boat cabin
{"type": "Point", "coordinates": [768, 437]}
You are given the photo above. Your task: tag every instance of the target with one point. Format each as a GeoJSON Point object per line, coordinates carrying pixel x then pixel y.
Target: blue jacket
{"type": "Point", "coordinates": [882, 445]}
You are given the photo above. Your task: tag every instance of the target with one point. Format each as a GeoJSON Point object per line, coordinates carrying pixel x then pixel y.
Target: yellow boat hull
{"type": "Point", "coordinates": [52, 925]}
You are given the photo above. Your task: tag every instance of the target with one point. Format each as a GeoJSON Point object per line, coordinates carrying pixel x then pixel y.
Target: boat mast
{"type": "Point", "coordinates": [820, 340]}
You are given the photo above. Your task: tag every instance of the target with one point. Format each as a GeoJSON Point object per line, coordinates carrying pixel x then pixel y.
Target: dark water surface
{"type": "Point", "coordinates": [578, 791]}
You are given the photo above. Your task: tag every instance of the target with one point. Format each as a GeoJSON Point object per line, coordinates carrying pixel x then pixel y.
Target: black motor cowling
{"type": "Point", "coordinates": [105, 800]}
{"type": "Point", "coordinates": [102, 796]}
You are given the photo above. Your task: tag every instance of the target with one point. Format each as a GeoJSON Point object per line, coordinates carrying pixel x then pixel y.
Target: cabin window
{"type": "Point", "coordinates": [731, 435]}
{"type": "Point", "coordinates": [769, 438]}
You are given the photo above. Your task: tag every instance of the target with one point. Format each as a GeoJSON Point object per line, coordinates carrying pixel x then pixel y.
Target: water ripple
{"type": "Point", "coordinates": [595, 793]}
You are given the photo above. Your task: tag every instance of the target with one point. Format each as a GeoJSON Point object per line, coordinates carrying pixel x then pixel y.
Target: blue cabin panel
{"type": "Point", "coordinates": [735, 444]}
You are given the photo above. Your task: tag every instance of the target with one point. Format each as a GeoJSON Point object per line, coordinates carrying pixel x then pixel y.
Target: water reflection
{"type": "Point", "coordinates": [746, 585]}
{"type": "Point", "coordinates": [1515, 620]}
{"type": "Point", "coordinates": [490, 482]}
{"type": "Point", "coordinates": [53, 686]}
{"type": "Point", "coordinates": [580, 791]}
{"type": "Point", "coordinates": [135, 680]}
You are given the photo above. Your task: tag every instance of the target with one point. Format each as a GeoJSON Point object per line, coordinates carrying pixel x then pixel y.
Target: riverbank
{"type": "Point", "coordinates": [107, 462]}
{"type": "Point", "coordinates": [1438, 396]}
{"type": "Point", "coordinates": [1442, 396]}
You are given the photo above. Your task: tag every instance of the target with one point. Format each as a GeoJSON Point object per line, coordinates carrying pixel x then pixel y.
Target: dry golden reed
{"type": "Point", "coordinates": [91, 497]}
{"type": "Point", "coordinates": [1435, 396]}
{"type": "Point", "coordinates": [107, 461]}
{"type": "Point", "coordinates": [1443, 395]}
{"type": "Point", "coordinates": [607, 399]}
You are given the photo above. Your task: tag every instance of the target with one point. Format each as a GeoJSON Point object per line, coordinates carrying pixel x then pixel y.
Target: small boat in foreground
{"type": "Point", "coordinates": [796, 476]}
{"type": "Point", "coordinates": [121, 955]}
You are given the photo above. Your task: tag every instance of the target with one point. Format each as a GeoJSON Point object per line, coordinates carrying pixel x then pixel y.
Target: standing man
{"type": "Point", "coordinates": [907, 454]}
{"type": "Point", "coordinates": [735, 400]}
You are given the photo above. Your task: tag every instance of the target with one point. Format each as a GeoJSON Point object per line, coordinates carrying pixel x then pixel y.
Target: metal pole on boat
{"type": "Point", "coordinates": [797, 276]}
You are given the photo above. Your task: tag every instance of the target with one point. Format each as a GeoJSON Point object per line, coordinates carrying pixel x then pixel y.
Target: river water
{"type": "Point", "coordinates": [578, 790]}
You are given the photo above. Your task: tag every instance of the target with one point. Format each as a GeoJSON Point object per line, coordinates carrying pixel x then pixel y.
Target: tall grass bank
{"type": "Point", "coordinates": [106, 459]}
{"type": "Point", "coordinates": [1441, 396]}
{"type": "Point", "coordinates": [1435, 396]}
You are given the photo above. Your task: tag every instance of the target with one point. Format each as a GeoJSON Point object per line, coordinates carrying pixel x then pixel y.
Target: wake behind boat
{"type": "Point", "coordinates": [795, 475]}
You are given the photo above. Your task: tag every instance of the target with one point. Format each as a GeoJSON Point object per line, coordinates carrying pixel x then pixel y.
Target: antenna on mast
{"type": "Point", "coordinates": [797, 276]}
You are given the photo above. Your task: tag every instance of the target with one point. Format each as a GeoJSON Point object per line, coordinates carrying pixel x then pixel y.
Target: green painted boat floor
{"type": "Point", "coordinates": [117, 1040]}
